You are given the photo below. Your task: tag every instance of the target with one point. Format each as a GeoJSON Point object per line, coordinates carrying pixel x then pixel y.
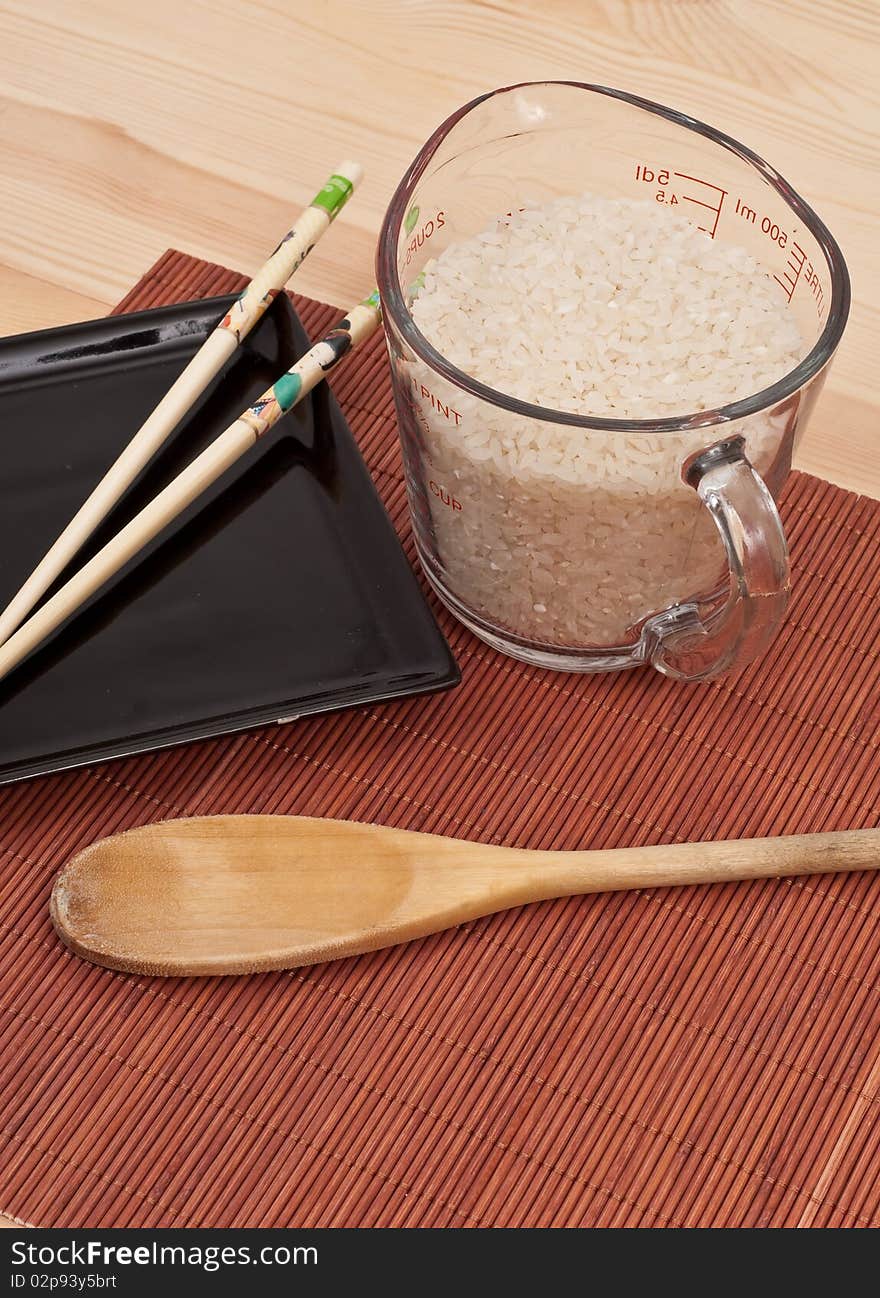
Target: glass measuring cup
{"type": "Point", "coordinates": [685, 567]}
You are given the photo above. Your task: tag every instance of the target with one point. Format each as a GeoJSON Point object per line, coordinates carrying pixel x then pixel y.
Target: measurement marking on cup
{"type": "Point", "coordinates": [767, 225]}
{"type": "Point", "coordinates": [797, 267]}
{"type": "Point", "coordinates": [672, 194]}
{"type": "Point", "coordinates": [715, 206]}
{"type": "Point", "coordinates": [425, 394]}
{"type": "Point", "coordinates": [445, 497]}
{"type": "Point", "coordinates": [747, 213]}
{"type": "Point", "coordinates": [792, 273]}
{"type": "Point", "coordinates": [426, 229]}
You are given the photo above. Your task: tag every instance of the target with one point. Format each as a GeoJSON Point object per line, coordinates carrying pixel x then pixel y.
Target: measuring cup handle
{"type": "Point", "coordinates": [692, 642]}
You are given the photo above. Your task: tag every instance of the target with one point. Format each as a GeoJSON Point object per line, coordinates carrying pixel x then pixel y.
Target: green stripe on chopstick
{"type": "Point", "coordinates": [334, 195]}
{"type": "Point", "coordinates": [292, 250]}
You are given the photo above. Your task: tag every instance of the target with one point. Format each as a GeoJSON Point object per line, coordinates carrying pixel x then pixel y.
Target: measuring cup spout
{"type": "Point", "coordinates": [692, 642]}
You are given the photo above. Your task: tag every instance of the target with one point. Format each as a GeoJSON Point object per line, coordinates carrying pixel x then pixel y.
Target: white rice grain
{"type": "Point", "coordinates": [606, 308]}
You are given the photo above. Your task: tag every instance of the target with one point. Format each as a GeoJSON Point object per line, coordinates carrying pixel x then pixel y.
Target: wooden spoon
{"type": "Point", "coordinates": [237, 894]}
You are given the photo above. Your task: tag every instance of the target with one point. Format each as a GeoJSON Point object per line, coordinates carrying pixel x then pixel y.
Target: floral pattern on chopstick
{"type": "Point", "coordinates": [311, 368]}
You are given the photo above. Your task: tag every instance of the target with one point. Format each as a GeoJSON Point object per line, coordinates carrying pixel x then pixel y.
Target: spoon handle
{"type": "Point", "coordinates": [726, 861]}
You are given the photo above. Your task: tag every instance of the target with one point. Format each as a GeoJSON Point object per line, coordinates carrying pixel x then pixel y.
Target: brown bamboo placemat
{"type": "Point", "coordinates": [706, 1056]}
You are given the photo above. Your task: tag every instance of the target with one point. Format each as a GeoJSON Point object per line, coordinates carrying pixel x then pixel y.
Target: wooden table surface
{"type": "Point", "coordinates": [126, 128]}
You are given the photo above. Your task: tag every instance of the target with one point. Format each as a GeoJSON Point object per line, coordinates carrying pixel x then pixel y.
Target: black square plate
{"type": "Point", "coordinates": [283, 591]}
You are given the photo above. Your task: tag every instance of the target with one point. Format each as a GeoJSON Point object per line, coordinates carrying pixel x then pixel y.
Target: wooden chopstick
{"type": "Point", "coordinates": [207, 362]}
{"type": "Point", "coordinates": [239, 437]}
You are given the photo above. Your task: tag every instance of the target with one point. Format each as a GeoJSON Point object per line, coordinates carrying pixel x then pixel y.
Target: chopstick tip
{"type": "Point", "coordinates": [351, 171]}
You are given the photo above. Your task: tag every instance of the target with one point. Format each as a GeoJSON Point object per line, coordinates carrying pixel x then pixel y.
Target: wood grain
{"type": "Point", "coordinates": [224, 895]}
{"type": "Point", "coordinates": [35, 304]}
{"type": "Point", "coordinates": [129, 128]}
